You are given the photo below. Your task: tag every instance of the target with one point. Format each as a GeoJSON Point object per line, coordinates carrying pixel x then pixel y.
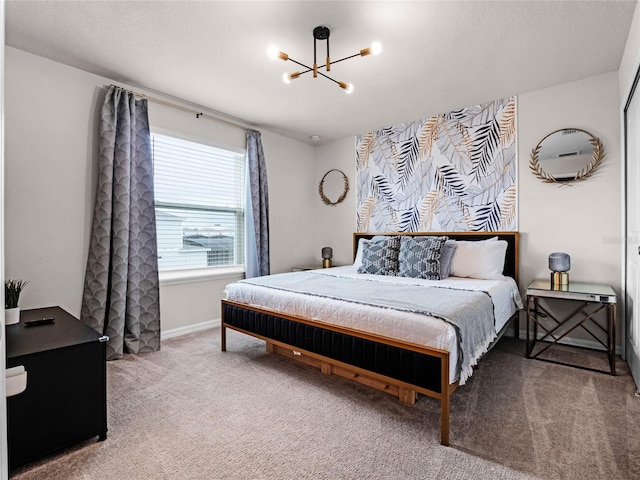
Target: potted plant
{"type": "Point", "coordinates": [12, 290]}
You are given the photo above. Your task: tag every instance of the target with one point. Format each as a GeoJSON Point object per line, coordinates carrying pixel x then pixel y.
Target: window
{"type": "Point", "coordinates": [199, 193]}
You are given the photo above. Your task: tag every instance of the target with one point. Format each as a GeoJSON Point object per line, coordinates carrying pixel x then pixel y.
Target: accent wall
{"type": "Point", "coordinates": [451, 172]}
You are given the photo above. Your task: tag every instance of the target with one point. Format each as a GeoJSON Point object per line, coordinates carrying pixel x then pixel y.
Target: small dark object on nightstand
{"type": "Point", "coordinates": [39, 321]}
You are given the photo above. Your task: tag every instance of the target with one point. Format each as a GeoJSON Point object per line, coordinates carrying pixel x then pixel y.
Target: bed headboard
{"type": "Point", "coordinates": [511, 259]}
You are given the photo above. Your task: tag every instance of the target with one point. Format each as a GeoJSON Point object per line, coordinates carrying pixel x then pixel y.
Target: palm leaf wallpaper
{"type": "Point", "coordinates": [454, 172]}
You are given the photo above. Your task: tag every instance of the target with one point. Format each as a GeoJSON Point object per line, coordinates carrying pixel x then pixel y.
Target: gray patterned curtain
{"type": "Point", "coordinates": [121, 295]}
{"type": "Point", "coordinates": [257, 211]}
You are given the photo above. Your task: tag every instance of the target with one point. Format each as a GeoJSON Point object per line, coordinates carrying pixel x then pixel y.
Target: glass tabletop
{"type": "Point", "coordinates": [573, 290]}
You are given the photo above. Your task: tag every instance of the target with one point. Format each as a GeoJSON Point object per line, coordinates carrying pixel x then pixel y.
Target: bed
{"type": "Point", "coordinates": [326, 318]}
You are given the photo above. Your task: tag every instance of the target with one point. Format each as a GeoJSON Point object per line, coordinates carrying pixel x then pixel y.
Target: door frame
{"type": "Point", "coordinates": [633, 91]}
{"type": "Point", "coordinates": [4, 455]}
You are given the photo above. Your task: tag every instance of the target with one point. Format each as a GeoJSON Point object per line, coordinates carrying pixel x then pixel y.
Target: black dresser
{"type": "Point", "coordinates": [66, 397]}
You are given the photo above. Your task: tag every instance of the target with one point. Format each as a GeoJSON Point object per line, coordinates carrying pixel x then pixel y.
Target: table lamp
{"type": "Point", "coordinates": [559, 264]}
{"type": "Point", "coordinates": [327, 253]}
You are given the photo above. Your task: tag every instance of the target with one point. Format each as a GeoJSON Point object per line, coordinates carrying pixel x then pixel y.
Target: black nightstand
{"type": "Point", "coordinates": [66, 397]}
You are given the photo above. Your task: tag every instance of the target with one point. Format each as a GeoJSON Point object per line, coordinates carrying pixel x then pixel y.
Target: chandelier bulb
{"type": "Point", "coordinates": [287, 77]}
{"type": "Point", "coordinates": [375, 48]}
{"type": "Point", "coordinates": [347, 87]}
{"type": "Point", "coordinates": [274, 53]}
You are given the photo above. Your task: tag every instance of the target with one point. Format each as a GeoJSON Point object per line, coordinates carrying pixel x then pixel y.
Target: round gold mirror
{"type": "Point", "coordinates": [566, 155]}
{"type": "Point", "coordinates": [334, 184]}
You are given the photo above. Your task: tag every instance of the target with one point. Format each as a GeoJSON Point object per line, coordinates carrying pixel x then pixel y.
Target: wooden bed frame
{"type": "Point", "coordinates": [408, 369]}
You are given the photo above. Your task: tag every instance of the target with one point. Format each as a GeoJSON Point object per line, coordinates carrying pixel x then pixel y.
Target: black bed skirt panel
{"type": "Point", "coordinates": [405, 365]}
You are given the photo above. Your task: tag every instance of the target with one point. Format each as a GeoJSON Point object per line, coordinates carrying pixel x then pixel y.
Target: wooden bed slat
{"type": "Point", "coordinates": [331, 367]}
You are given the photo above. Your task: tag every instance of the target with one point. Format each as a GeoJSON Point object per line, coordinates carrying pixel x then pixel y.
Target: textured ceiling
{"type": "Point", "coordinates": [437, 56]}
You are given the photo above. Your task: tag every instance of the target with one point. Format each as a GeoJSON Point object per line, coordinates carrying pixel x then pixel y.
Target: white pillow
{"type": "Point", "coordinates": [483, 259]}
{"type": "Point", "coordinates": [358, 260]}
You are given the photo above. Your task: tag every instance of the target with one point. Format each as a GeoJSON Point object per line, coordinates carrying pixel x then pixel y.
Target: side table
{"type": "Point", "coordinates": [590, 298]}
{"type": "Point", "coordinates": [66, 397]}
{"type": "Point", "coordinates": [304, 268]}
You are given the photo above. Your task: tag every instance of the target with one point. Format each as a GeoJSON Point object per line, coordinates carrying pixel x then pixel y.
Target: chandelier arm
{"type": "Point", "coordinates": [329, 78]}
{"type": "Point", "coordinates": [319, 73]}
{"type": "Point", "coordinates": [343, 59]}
{"type": "Point", "coordinates": [310, 69]}
{"type": "Point", "coordinates": [301, 64]}
{"type": "Point", "coordinates": [319, 67]}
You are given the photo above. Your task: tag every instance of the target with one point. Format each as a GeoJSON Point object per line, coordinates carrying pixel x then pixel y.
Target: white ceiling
{"type": "Point", "coordinates": [437, 56]}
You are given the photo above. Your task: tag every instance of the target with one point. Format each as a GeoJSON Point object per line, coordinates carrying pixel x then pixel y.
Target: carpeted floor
{"type": "Point", "coordinates": [193, 412]}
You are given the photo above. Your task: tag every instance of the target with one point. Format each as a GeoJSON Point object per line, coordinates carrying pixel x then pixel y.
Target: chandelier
{"type": "Point", "coordinates": [321, 33]}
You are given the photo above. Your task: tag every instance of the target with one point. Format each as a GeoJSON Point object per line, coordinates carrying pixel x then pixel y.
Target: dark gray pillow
{"type": "Point", "coordinates": [380, 256]}
{"type": "Point", "coordinates": [420, 257]}
{"type": "Point", "coordinates": [445, 258]}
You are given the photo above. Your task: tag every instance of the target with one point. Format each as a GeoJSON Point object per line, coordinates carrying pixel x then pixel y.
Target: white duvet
{"type": "Point", "coordinates": [411, 327]}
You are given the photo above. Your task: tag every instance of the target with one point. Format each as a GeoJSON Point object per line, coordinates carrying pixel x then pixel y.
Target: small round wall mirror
{"type": "Point", "coordinates": [334, 185]}
{"type": "Point", "coordinates": [566, 155]}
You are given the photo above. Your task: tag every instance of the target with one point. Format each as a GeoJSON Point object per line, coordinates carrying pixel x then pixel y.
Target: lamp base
{"type": "Point", "coordinates": [326, 263]}
{"type": "Point", "coordinates": [559, 280]}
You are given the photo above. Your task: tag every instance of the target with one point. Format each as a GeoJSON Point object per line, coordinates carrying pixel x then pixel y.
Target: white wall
{"type": "Point", "coordinates": [583, 220]}
{"type": "Point", "coordinates": [290, 171]}
{"type": "Point", "coordinates": [335, 224]}
{"type": "Point", "coordinates": [50, 167]}
{"type": "Point", "coordinates": [51, 146]}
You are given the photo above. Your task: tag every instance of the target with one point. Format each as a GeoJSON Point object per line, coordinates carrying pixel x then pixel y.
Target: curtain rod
{"type": "Point", "coordinates": [184, 108]}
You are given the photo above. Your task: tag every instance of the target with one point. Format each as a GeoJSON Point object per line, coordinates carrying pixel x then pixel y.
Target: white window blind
{"type": "Point", "coordinates": [199, 194]}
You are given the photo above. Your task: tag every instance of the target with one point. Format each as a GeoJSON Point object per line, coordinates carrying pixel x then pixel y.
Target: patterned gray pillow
{"type": "Point", "coordinates": [420, 257]}
{"type": "Point", "coordinates": [445, 258]}
{"type": "Point", "coordinates": [380, 256]}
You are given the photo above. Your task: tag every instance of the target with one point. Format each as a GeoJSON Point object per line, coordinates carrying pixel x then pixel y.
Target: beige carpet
{"type": "Point", "coordinates": [192, 412]}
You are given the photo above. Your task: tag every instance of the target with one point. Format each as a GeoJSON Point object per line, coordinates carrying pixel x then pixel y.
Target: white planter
{"type": "Point", "coordinates": [11, 316]}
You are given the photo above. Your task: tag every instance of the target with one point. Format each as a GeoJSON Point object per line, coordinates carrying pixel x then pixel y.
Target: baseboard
{"type": "Point", "coordinates": [197, 327]}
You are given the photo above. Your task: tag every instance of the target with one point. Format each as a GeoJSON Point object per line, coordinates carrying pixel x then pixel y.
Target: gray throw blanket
{"type": "Point", "coordinates": [470, 312]}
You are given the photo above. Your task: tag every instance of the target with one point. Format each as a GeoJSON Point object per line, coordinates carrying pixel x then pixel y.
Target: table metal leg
{"type": "Point", "coordinates": [611, 319]}
{"type": "Point", "coordinates": [526, 348]}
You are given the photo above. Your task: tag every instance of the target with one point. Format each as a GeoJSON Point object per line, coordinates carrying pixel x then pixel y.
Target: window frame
{"type": "Point", "coordinates": [177, 276]}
